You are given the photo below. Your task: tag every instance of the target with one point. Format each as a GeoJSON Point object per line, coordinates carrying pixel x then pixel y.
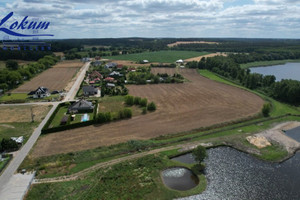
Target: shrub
{"type": "Point", "coordinates": [143, 102]}
{"type": "Point", "coordinates": [151, 106]}
{"type": "Point", "coordinates": [129, 100]}
{"type": "Point", "coordinates": [144, 110]}
{"type": "Point", "coordinates": [8, 145]}
{"type": "Point", "coordinates": [127, 112]}
{"type": "Point", "coordinates": [103, 117]}
{"type": "Point", "coordinates": [137, 100]}
{"type": "Point", "coordinates": [266, 109]}
{"type": "Point", "coordinates": [137, 145]}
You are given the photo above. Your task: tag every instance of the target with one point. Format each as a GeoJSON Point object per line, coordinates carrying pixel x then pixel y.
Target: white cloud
{"type": "Point", "coordinates": [161, 18]}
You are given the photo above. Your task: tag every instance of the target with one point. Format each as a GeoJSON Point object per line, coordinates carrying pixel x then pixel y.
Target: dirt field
{"type": "Point", "coordinates": [190, 42]}
{"type": "Point", "coordinates": [180, 107]}
{"type": "Point", "coordinates": [55, 78]}
{"type": "Point", "coordinates": [22, 113]}
{"type": "Point", "coordinates": [206, 56]}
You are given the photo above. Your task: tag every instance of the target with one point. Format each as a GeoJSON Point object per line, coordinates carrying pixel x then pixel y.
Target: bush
{"type": "Point", "coordinates": [8, 145]}
{"type": "Point", "coordinates": [137, 100]}
{"type": "Point", "coordinates": [144, 110]}
{"type": "Point", "coordinates": [129, 100]}
{"type": "Point", "coordinates": [266, 109]}
{"type": "Point", "coordinates": [151, 106]}
{"type": "Point", "coordinates": [103, 117]}
{"type": "Point", "coordinates": [138, 145]}
{"type": "Point", "coordinates": [127, 112]}
{"type": "Point", "coordinates": [143, 102]}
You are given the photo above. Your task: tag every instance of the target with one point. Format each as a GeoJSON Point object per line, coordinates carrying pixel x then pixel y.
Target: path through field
{"type": "Point", "coordinates": [180, 107]}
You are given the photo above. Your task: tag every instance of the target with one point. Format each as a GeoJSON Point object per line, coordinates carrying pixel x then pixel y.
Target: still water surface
{"type": "Point", "coordinates": [286, 71]}
{"type": "Point", "coordinates": [232, 174]}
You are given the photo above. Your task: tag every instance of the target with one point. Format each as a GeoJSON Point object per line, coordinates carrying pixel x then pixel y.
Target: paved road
{"type": "Point", "coordinates": [20, 156]}
{"type": "Point", "coordinates": [18, 159]}
{"type": "Point", "coordinates": [72, 93]}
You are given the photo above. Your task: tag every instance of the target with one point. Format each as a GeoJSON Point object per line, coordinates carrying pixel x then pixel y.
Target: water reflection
{"type": "Point", "coordinates": [235, 175]}
{"type": "Point", "coordinates": [179, 178]}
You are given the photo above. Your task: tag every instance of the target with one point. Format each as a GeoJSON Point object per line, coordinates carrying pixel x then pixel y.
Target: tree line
{"type": "Point", "coordinates": [14, 75]}
{"type": "Point", "coordinates": [285, 90]}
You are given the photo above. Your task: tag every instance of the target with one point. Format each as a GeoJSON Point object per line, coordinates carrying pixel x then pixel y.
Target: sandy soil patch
{"type": "Point", "coordinates": [205, 56]}
{"type": "Point", "coordinates": [190, 42]}
{"type": "Point", "coordinates": [180, 107]}
{"type": "Point", "coordinates": [278, 136]}
{"type": "Point", "coordinates": [258, 141]}
{"type": "Point", "coordinates": [23, 113]}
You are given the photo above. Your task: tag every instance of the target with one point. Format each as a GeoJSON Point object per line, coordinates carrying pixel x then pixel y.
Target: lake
{"type": "Point", "coordinates": [286, 71]}
{"type": "Point", "coordinates": [235, 175]}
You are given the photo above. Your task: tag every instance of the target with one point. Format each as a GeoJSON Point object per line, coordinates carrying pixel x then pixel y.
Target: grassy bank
{"type": "Point", "coordinates": [278, 108]}
{"type": "Point", "coordinates": [137, 179]}
{"type": "Point", "coordinates": [266, 63]}
{"type": "Point", "coordinates": [158, 56]}
{"type": "Point", "coordinates": [15, 129]}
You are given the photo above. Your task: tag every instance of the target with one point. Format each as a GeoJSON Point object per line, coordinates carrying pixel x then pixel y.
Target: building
{"type": "Point", "coordinates": [81, 106]}
{"type": "Point", "coordinates": [18, 140]}
{"type": "Point", "coordinates": [109, 79]}
{"type": "Point", "coordinates": [89, 90]}
{"type": "Point", "coordinates": [110, 65]}
{"type": "Point", "coordinates": [114, 73]}
{"type": "Point", "coordinates": [95, 74]}
{"type": "Point", "coordinates": [145, 61]}
{"type": "Point", "coordinates": [180, 61]}
{"type": "Point", "coordinates": [110, 85]}
{"type": "Point", "coordinates": [41, 92]}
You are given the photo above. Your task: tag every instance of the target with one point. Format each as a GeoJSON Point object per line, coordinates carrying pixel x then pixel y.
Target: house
{"type": "Point", "coordinates": [95, 74]}
{"type": "Point", "coordinates": [89, 90]}
{"type": "Point", "coordinates": [180, 61]}
{"type": "Point", "coordinates": [97, 63]}
{"type": "Point", "coordinates": [114, 73]}
{"type": "Point", "coordinates": [109, 79]}
{"type": "Point", "coordinates": [120, 66]}
{"type": "Point", "coordinates": [110, 65]}
{"type": "Point", "coordinates": [41, 92]}
{"type": "Point", "coordinates": [18, 140]}
{"type": "Point", "coordinates": [97, 57]}
{"type": "Point", "coordinates": [132, 69]}
{"type": "Point", "coordinates": [81, 106]}
{"type": "Point", "coordinates": [110, 85]}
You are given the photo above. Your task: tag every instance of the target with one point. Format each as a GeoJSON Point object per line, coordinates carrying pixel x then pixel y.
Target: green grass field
{"type": "Point", "coordinates": [14, 96]}
{"type": "Point", "coordinates": [17, 129]}
{"type": "Point", "coordinates": [266, 63]}
{"type": "Point", "coordinates": [159, 56]}
{"type": "Point", "coordinates": [136, 179]}
{"type": "Point", "coordinates": [278, 108]}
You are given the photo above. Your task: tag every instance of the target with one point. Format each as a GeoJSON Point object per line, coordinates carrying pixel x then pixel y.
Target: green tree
{"type": "Point", "coordinates": [129, 100]}
{"type": "Point", "coordinates": [11, 64]}
{"type": "Point", "coordinates": [151, 106]}
{"type": "Point", "coordinates": [143, 102]}
{"type": "Point", "coordinates": [266, 109]}
{"type": "Point", "coordinates": [94, 49]}
{"type": "Point", "coordinates": [199, 154]}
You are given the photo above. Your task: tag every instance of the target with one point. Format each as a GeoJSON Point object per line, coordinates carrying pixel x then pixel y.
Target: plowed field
{"type": "Point", "coordinates": [55, 78]}
{"type": "Point", "coordinates": [180, 107]}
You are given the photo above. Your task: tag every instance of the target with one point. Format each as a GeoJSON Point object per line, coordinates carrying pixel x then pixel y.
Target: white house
{"type": "Point", "coordinates": [41, 92]}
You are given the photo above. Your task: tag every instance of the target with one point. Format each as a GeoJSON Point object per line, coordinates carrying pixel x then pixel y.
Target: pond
{"type": "Point", "coordinates": [232, 174]}
{"type": "Point", "coordinates": [294, 133]}
{"type": "Point", "coordinates": [286, 71]}
{"type": "Point", "coordinates": [179, 178]}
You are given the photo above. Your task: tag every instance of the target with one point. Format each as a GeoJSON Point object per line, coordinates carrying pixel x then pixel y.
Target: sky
{"type": "Point", "coordinates": [160, 18]}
